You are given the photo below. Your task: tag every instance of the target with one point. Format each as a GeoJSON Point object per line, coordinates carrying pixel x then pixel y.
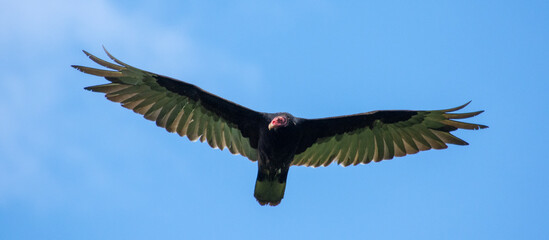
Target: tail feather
{"type": "Point", "coordinates": [269, 191]}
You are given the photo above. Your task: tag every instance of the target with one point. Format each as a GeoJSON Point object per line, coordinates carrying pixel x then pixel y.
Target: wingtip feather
{"type": "Point", "coordinates": [461, 115]}
{"type": "Point", "coordinates": [86, 52]}
{"type": "Point", "coordinates": [456, 108]}
{"type": "Point", "coordinates": [114, 59]}
{"type": "Point", "coordinates": [98, 72]}
{"type": "Point", "coordinates": [103, 62]}
{"type": "Point", "coordinates": [464, 125]}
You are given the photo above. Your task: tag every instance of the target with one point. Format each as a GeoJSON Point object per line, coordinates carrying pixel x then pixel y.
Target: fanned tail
{"type": "Point", "coordinates": [269, 188]}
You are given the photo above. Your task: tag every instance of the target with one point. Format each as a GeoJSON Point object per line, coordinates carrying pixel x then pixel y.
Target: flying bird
{"type": "Point", "coordinates": [276, 141]}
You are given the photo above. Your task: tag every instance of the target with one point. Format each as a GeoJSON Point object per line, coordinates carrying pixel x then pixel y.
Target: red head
{"type": "Point", "coordinates": [278, 121]}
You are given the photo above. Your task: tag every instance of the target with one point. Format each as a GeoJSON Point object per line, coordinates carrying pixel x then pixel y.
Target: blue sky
{"type": "Point", "coordinates": [76, 166]}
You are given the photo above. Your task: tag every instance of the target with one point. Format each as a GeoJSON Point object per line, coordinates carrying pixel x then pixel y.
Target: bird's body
{"type": "Point", "coordinates": [276, 153]}
{"type": "Point", "coordinates": [276, 140]}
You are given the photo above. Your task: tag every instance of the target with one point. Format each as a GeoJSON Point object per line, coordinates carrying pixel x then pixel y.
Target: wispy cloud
{"type": "Point", "coordinates": [38, 89]}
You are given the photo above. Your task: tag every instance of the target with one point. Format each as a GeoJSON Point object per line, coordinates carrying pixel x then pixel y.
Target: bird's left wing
{"type": "Point", "coordinates": [180, 107]}
{"type": "Point", "coordinates": [361, 138]}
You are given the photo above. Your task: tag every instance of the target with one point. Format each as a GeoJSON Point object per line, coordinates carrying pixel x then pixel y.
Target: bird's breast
{"type": "Point", "coordinates": [278, 146]}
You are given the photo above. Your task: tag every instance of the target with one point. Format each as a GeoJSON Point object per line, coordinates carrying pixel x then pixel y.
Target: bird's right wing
{"type": "Point", "coordinates": [361, 138]}
{"type": "Point", "coordinates": [180, 107]}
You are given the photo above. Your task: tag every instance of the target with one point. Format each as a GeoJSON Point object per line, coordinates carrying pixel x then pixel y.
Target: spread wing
{"type": "Point", "coordinates": [179, 107]}
{"type": "Point", "coordinates": [361, 138]}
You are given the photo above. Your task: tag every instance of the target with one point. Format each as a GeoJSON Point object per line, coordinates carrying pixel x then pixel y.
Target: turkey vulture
{"type": "Point", "coordinates": [276, 140]}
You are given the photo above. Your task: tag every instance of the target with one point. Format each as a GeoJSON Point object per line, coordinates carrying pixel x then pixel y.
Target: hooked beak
{"type": "Point", "coordinates": [271, 126]}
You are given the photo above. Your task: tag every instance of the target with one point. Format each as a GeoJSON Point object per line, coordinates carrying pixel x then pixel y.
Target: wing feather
{"type": "Point", "coordinates": [221, 135]}
{"type": "Point", "coordinates": [179, 106]}
{"type": "Point", "coordinates": [422, 144]}
{"type": "Point", "coordinates": [361, 148]}
{"type": "Point", "coordinates": [380, 145]}
{"type": "Point", "coordinates": [174, 116]}
{"type": "Point", "coordinates": [203, 130]}
{"type": "Point", "coordinates": [193, 129]}
{"type": "Point", "coordinates": [186, 119]}
{"type": "Point", "coordinates": [409, 143]}
{"type": "Point", "coordinates": [461, 115]}
{"type": "Point", "coordinates": [344, 145]}
{"type": "Point", "coordinates": [371, 147]}
{"type": "Point", "coordinates": [400, 150]}
{"type": "Point", "coordinates": [389, 143]}
{"type": "Point", "coordinates": [143, 107]}
{"type": "Point", "coordinates": [379, 135]}
{"type": "Point", "coordinates": [166, 111]}
{"type": "Point", "coordinates": [351, 152]}
{"type": "Point", "coordinates": [229, 140]}
{"type": "Point", "coordinates": [210, 134]}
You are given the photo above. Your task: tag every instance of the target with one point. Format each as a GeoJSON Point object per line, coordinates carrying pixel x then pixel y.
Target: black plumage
{"type": "Point", "coordinates": [277, 140]}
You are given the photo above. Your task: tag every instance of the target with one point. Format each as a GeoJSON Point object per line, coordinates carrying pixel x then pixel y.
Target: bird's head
{"type": "Point", "coordinates": [279, 121]}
